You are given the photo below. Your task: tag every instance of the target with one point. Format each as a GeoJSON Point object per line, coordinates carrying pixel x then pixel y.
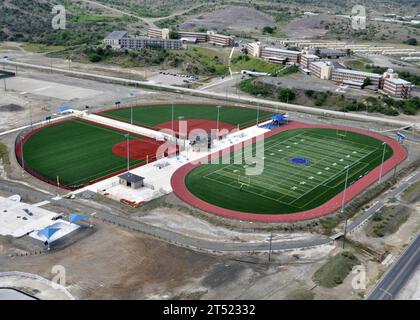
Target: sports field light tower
{"type": "Point", "coordinates": [218, 117]}
{"type": "Point", "coordinates": [382, 163]}
{"type": "Point", "coordinates": [128, 151]}
{"type": "Point", "coordinates": [343, 203]}
{"type": "Point", "coordinates": [258, 109]}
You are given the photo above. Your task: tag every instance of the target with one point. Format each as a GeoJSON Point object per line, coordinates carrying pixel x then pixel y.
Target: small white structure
{"type": "Point", "coordinates": [131, 180]}
{"type": "Point", "coordinates": [18, 219]}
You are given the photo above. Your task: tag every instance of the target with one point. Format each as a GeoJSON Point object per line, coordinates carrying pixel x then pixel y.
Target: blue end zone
{"type": "Point", "coordinates": [299, 161]}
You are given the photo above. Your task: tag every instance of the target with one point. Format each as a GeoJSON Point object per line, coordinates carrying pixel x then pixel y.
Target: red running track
{"type": "Point", "coordinates": [181, 190]}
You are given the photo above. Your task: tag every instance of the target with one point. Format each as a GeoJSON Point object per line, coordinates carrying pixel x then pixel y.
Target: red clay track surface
{"type": "Point", "coordinates": [139, 149]}
{"type": "Point", "coordinates": [194, 124]}
{"type": "Point", "coordinates": [181, 190]}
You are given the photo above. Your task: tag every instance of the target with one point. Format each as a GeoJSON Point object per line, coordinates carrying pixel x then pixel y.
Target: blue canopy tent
{"type": "Point", "coordinates": [64, 109]}
{"type": "Point", "coordinates": [48, 232]}
{"type": "Point", "coordinates": [401, 137]}
{"type": "Point", "coordinates": [74, 217]}
{"type": "Point", "coordinates": [278, 117]}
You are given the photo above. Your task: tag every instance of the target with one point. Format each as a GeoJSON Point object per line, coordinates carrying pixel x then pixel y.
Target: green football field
{"type": "Point", "coordinates": [76, 152]}
{"type": "Point", "coordinates": [285, 187]}
{"type": "Point", "coordinates": [152, 116]}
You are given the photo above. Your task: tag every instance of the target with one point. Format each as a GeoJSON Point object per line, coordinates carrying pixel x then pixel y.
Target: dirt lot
{"type": "Point", "coordinates": [306, 27]}
{"type": "Point", "coordinates": [116, 263]}
{"type": "Point", "coordinates": [229, 18]}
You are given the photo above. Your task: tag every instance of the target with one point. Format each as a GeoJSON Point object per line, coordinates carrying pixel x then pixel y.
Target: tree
{"type": "Point", "coordinates": [173, 34]}
{"type": "Point", "coordinates": [367, 82]}
{"type": "Point", "coordinates": [286, 95]}
{"type": "Point", "coordinates": [268, 29]}
{"type": "Point", "coordinates": [412, 42]}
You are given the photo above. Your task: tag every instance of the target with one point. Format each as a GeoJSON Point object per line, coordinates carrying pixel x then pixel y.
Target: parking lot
{"type": "Point", "coordinates": [172, 78]}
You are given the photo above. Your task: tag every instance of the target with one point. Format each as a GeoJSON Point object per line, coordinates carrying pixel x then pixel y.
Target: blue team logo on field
{"type": "Point", "coordinates": [300, 161]}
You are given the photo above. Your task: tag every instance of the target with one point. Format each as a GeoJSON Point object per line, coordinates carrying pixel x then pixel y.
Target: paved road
{"type": "Point", "coordinates": [401, 271]}
{"type": "Point", "coordinates": [214, 95]}
{"type": "Point", "coordinates": [377, 206]}
{"type": "Point", "coordinates": [186, 241]}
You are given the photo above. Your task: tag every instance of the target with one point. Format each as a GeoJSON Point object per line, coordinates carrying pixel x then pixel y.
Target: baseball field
{"type": "Point", "coordinates": [197, 116]}
{"type": "Point", "coordinates": [76, 152]}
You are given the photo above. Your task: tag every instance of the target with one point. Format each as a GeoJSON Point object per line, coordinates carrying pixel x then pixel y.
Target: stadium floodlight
{"type": "Point", "coordinates": [128, 151]}
{"type": "Point", "coordinates": [258, 109]}
{"type": "Point", "coordinates": [382, 164]}
{"type": "Point", "coordinates": [172, 116]}
{"type": "Point", "coordinates": [218, 117]}
{"type": "Point", "coordinates": [345, 189]}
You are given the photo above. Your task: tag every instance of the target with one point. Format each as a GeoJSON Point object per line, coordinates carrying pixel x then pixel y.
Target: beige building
{"type": "Point", "coordinates": [305, 59]}
{"type": "Point", "coordinates": [320, 69]}
{"type": "Point", "coordinates": [397, 88]}
{"type": "Point", "coordinates": [158, 33]}
{"type": "Point", "coordinates": [339, 75]}
{"type": "Point", "coordinates": [276, 55]}
{"type": "Point", "coordinates": [254, 49]}
{"type": "Point", "coordinates": [198, 36]}
{"type": "Point", "coordinates": [220, 39]}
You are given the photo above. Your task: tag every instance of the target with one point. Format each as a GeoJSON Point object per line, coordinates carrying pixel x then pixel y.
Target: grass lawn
{"type": "Point", "coordinates": [41, 48]}
{"type": "Point", "coordinates": [151, 116]}
{"type": "Point", "coordinates": [388, 220]}
{"type": "Point", "coordinates": [75, 151]}
{"type": "Point", "coordinates": [243, 62]}
{"type": "Point", "coordinates": [412, 194]}
{"type": "Point", "coordinates": [335, 270]}
{"type": "Point", "coordinates": [284, 187]}
{"type": "Point", "coordinates": [4, 155]}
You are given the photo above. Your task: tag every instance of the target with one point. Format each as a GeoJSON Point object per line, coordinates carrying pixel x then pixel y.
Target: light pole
{"type": "Point", "coordinates": [172, 117]}
{"type": "Point", "coordinates": [128, 152]}
{"type": "Point", "coordinates": [21, 151]}
{"type": "Point", "coordinates": [382, 164]}
{"type": "Point", "coordinates": [271, 241]}
{"type": "Point", "coordinates": [218, 117]}
{"type": "Point", "coordinates": [179, 127]}
{"type": "Point", "coordinates": [345, 189]}
{"type": "Point", "coordinates": [258, 109]}
{"type": "Point", "coordinates": [131, 115]}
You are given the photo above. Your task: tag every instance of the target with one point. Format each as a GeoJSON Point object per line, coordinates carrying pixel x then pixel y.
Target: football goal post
{"type": "Point", "coordinates": [243, 181]}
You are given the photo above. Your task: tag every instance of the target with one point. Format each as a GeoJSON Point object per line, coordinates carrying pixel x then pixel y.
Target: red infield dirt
{"type": "Point", "coordinates": [194, 124]}
{"type": "Point", "coordinates": [181, 190]}
{"type": "Point", "coordinates": [140, 149]}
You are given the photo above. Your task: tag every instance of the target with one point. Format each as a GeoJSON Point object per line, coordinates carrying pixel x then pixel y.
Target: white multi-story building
{"type": "Point", "coordinates": [121, 40]}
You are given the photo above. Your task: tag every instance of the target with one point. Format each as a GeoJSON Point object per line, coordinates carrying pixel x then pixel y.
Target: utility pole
{"type": "Point", "coordinates": [382, 164]}
{"type": "Point", "coordinates": [345, 231]}
{"type": "Point", "coordinates": [269, 251]}
{"type": "Point", "coordinates": [128, 152]}
{"type": "Point", "coordinates": [218, 117]}
{"type": "Point", "coordinates": [172, 117]}
{"type": "Point", "coordinates": [345, 189]}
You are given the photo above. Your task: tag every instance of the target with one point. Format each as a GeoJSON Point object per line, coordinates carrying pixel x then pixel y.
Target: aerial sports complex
{"type": "Point", "coordinates": [81, 150]}
{"type": "Point", "coordinates": [308, 170]}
